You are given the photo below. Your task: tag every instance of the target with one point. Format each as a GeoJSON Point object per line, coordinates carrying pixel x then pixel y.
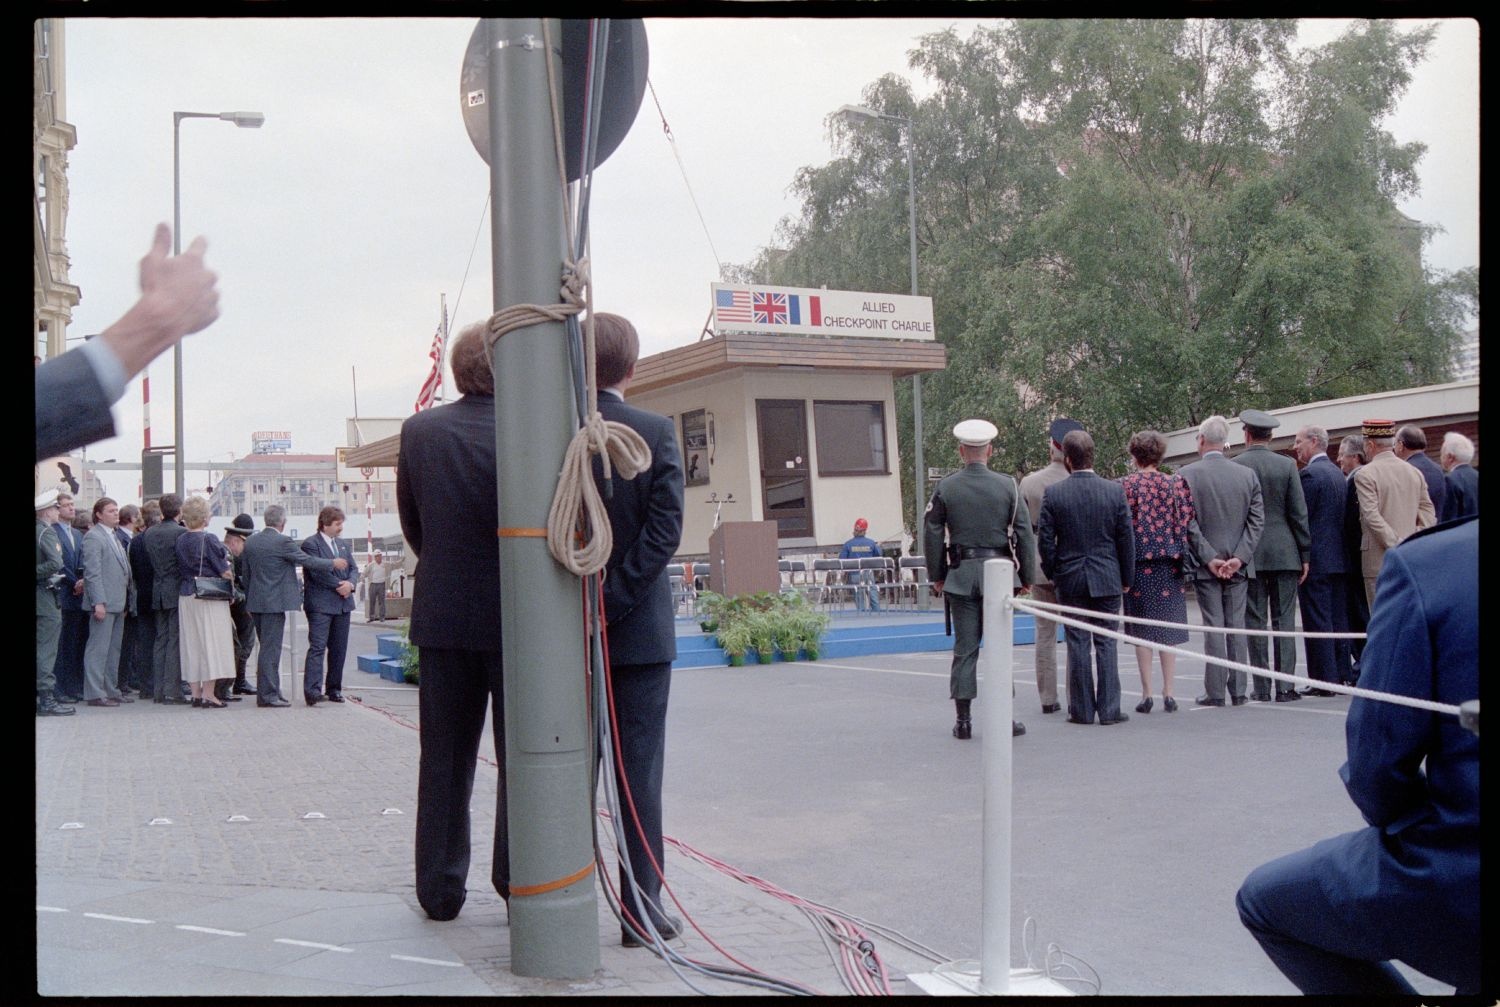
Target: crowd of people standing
{"type": "Point", "coordinates": [146, 603]}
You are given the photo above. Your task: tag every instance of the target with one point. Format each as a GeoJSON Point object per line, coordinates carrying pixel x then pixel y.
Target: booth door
{"type": "Point", "coordinates": [785, 473]}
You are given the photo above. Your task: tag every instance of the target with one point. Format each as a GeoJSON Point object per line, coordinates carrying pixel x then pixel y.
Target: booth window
{"type": "Point", "coordinates": [850, 438]}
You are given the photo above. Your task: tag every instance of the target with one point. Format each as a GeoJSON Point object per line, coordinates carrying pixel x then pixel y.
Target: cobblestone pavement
{"type": "Point", "coordinates": [269, 852]}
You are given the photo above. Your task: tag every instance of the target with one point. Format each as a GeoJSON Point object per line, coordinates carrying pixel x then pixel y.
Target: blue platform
{"type": "Point", "coordinates": [848, 636]}
{"type": "Point", "coordinates": [387, 663]}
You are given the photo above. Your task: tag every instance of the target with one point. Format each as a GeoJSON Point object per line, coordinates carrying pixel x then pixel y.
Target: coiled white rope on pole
{"type": "Point", "coordinates": [578, 532]}
{"type": "Point", "coordinates": [1027, 605]}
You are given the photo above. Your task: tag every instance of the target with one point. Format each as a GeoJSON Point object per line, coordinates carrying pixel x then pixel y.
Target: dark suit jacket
{"type": "Point", "coordinates": [645, 515]}
{"type": "Point", "coordinates": [446, 496]}
{"type": "Point", "coordinates": [1415, 774]}
{"type": "Point", "coordinates": [1085, 537]}
{"type": "Point", "coordinates": [271, 561]}
{"type": "Point", "coordinates": [1437, 486]}
{"type": "Point", "coordinates": [161, 549]}
{"type": "Point", "coordinates": [140, 571]}
{"type": "Point", "coordinates": [1462, 493]}
{"type": "Point", "coordinates": [71, 540]}
{"type": "Point", "coordinates": [1326, 490]}
{"type": "Point", "coordinates": [71, 408]}
{"type": "Point", "coordinates": [320, 587]}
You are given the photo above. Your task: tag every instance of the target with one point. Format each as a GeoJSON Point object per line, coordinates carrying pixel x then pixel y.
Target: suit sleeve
{"type": "Point", "coordinates": [1296, 517]}
{"type": "Point", "coordinates": [660, 533]}
{"type": "Point", "coordinates": [1026, 562]}
{"type": "Point", "coordinates": [1369, 510]}
{"type": "Point", "coordinates": [1254, 522]}
{"type": "Point", "coordinates": [1387, 742]}
{"type": "Point", "coordinates": [288, 550]}
{"type": "Point", "coordinates": [319, 569]}
{"type": "Point", "coordinates": [1046, 540]}
{"type": "Point", "coordinates": [1426, 515]}
{"type": "Point", "coordinates": [1124, 543]}
{"type": "Point", "coordinates": [406, 502]}
{"type": "Point", "coordinates": [48, 545]}
{"type": "Point", "coordinates": [933, 522]}
{"type": "Point", "coordinates": [93, 571]}
{"type": "Point", "coordinates": [72, 408]}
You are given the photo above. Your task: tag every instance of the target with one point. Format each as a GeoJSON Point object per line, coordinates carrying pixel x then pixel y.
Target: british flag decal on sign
{"type": "Point", "coordinates": [770, 309]}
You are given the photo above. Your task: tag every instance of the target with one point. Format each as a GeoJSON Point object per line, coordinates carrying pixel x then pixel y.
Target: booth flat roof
{"type": "Point", "coordinates": [898, 357]}
{"type": "Point", "coordinates": [724, 352]}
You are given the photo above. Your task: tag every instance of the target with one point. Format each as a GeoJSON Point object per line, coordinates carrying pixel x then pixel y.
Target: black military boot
{"type": "Point", "coordinates": [963, 727]}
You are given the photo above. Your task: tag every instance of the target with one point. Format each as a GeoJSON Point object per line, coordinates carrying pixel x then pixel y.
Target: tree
{"type": "Point", "coordinates": [1139, 224]}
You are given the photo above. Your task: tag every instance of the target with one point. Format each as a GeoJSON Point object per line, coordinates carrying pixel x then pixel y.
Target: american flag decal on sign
{"type": "Point", "coordinates": [732, 305]}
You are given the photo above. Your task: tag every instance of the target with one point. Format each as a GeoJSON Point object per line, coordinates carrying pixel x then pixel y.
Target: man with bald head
{"type": "Point", "coordinates": [1323, 590]}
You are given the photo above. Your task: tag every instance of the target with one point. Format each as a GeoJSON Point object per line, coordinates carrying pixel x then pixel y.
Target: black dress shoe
{"type": "Point", "coordinates": [670, 928]}
{"type": "Point", "coordinates": [1017, 728]}
{"type": "Point", "coordinates": [1261, 697]}
{"type": "Point", "coordinates": [1210, 701]}
{"type": "Point", "coordinates": [1078, 720]}
{"type": "Point", "coordinates": [1320, 693]}
{"type": "Point", "coordinates": [311, 700]}
{"type": "Point", "coordinates": [66, 697]}
{"type": "Point", "coordinates": [335, 697]}
{"type": "Point", "coordinates": [1118, 720]}
{"type": "Point", "coordinates": [1237, 700]}
{"type": "Point", "coordinates": [231, 698]}
{"type": "Point", "coordinates": [47, 706]}
{"type": "Point", "coordinates": [1169, 704]}
{"type": "Point", "coordinates": [1144, 706]}
{"type": "Point", "coordinates": [197, 702]}
{"type": "Point", "coordinates": [1290, 696]}
{"type": "Point", "coordinates": [272, 702]}
{"type": "Point", "coordinates": [1051, 707]}
{"type": "Point", "coordinates": [963, 729]}
{"type": "Point", "coordinates": [243, 689]}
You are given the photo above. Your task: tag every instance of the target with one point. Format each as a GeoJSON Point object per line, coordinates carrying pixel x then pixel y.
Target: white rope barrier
{"type": "Point", "coordinates": [1027, 605]}
{"type": "Point", "coordinates": [1045, 607]}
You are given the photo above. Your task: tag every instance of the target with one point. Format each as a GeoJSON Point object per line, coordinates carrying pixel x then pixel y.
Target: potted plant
{"type": "Point", "coordinates": [762, 625]}
{"type": "Point", "coordinates": [410, 657]}
{"type": "Point", "coordinates": [735, 639]}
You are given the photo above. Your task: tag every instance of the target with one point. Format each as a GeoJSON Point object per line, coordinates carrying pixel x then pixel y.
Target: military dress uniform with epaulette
{"type": "Point", "coordinates": [975, 506]}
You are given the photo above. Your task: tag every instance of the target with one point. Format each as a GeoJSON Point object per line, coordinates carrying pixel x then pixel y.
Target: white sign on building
{"type": "Point", "coordinates": [801, 311]}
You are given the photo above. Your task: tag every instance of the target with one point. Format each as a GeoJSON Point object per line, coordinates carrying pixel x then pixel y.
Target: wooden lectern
{"type": "Point", "coordinates": [742, 558]}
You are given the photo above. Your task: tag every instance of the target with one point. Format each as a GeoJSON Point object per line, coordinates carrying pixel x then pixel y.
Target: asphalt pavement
{"type": "Point", "coordinates": [268, 851]}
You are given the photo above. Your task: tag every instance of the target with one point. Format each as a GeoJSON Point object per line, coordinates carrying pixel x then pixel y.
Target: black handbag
{"type": "Point", "coordinates": [211, 588]}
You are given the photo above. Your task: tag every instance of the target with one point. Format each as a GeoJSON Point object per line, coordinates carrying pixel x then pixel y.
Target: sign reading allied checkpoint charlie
{"type": "Point", "coordinates": [800, 311]}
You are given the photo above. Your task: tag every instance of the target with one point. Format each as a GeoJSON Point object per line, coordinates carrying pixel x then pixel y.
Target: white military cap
{"type": "Point", "coordinates": [975, 433]}
{"type": "Point", "coordinates": [46, 499]}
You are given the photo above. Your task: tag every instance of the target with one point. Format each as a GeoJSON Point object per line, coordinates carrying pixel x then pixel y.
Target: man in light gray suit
{"type": "Point", "coordinates": [1228, 516]}
{"type": "Point", "coordinates": [271, 591]}
{"type": "Point", "coordinates": [106, 590]}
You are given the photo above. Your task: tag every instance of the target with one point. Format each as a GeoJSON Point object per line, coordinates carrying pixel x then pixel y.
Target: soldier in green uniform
{"type": "Point", "coordinates": [980, 511]}
{"type": "Point", "coordinates": [49, 562]}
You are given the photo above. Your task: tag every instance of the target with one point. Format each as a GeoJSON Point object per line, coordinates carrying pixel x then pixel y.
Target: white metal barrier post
{"type": "Point", "coordinates": [999, 708]}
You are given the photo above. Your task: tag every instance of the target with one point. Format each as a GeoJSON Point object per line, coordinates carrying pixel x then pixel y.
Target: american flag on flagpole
{"type": "Point", "coordinates": [434, 381]}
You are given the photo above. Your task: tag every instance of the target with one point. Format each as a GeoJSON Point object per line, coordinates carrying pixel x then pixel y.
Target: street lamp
{"type": "Point", "coordinates": [244, 120]}
{"type": "Point", "coordinates": [854, 114]}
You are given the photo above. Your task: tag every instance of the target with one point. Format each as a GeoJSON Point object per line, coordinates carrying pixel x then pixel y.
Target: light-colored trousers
{"type": "Point", "coordinates": [1046, 647]}
{"type": "Point", "coordinates": [101, 657]}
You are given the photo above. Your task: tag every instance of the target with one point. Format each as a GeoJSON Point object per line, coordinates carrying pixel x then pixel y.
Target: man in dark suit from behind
{"type": "Point", "coordinates": [145, 632]}
{"type": "Point", "coordinates": [1324, 589]}
{"type": "Point", "coordinates": [328, 598]}
{"type": "Point", "coordinates": [1411, 446]}
{"type": "Point", "coordinates": [645, 515]}
{"type": "Point", "coordinates": [235, 537]}
{"type": "Point", "coordinates": [161, 550]}
{"type": "Point", "coordinates": [1356, 605]}
{"type": "Point", "coordinates": [128, 676]}
{"type": "Point", "coordinates": [1087, 547]}
{"type": "Point", "coordinates": [74, 636]}
{"type": "Point", "coordinates": [1461, 497]}
{"type": "Point", "coordinates": [271, 591]}
{"type": "Point", "coordinates": [447, 497]}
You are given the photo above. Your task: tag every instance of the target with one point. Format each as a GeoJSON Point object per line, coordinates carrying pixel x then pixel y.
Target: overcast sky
{"type": "Point", "coordinates": [337, 226]}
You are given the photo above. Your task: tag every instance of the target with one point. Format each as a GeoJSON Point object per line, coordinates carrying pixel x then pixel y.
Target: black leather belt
{"type": "Point", "coordinates": [980, 552]}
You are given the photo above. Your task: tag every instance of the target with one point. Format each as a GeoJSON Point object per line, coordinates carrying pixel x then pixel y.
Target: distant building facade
{"type": "Point", "coordinates": [1466, 360]}
{"type": "Point", "coordinates": [51, 139]}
